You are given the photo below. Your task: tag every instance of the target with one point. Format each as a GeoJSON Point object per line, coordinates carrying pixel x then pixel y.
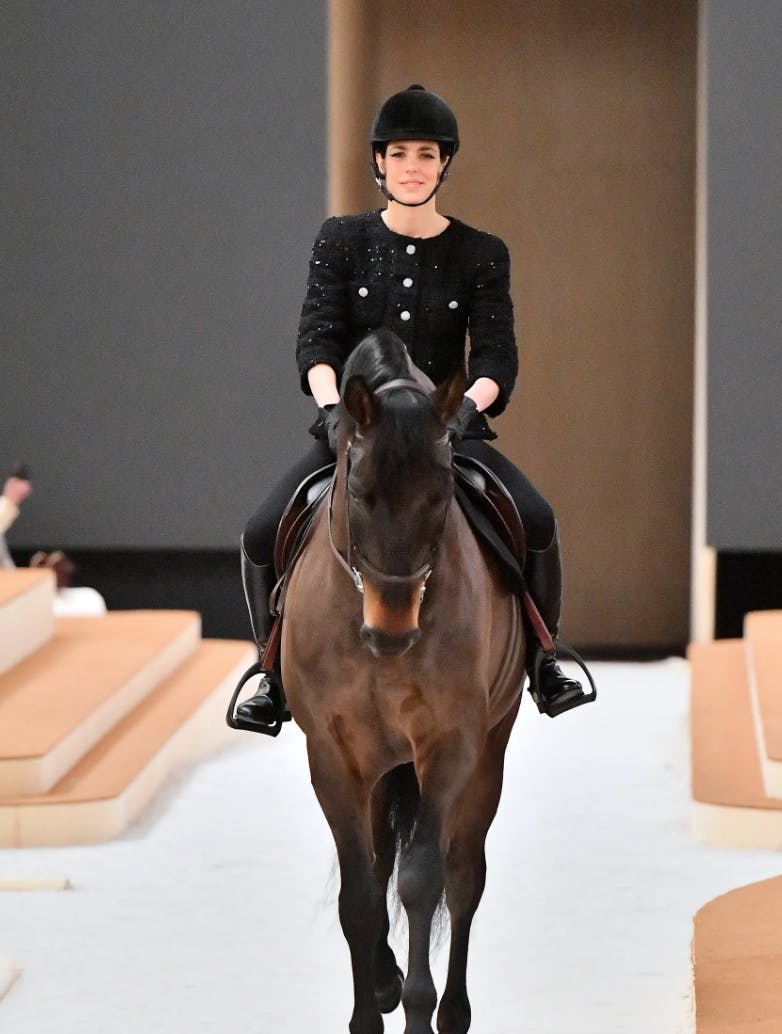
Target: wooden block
{"type": "Point", "coordinates": [56, 705]}
{"type": "Point", "coordinates": [731, 807]}
{"type": "Point", "coordinates": [26, 613]}
{"type": "Point", "coordinates": [18, 885]}
{"type": "Point", "coordinates": [737, 959]}
{"type": "Point", "coordinates": [763, 643]}
{"type": "Point", "coordinates": [111, 785]}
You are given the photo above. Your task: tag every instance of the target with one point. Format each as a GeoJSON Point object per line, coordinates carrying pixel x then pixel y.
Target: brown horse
{"type": "Point", "coordinates": [406, 689]}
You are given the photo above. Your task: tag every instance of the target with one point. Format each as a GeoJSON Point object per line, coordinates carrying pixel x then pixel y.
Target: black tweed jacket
{"type": "Point", "coordinates": [430, 291]}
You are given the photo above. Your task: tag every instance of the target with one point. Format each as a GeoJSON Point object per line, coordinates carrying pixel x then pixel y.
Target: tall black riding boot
{"type": "Point", "coordinates": [551, 689]}
{"type": "Point", "coordinates": [267, 707]}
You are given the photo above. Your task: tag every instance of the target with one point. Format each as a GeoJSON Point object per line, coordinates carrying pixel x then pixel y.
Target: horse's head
{"type": "Point", "coordinates": [399, 485]}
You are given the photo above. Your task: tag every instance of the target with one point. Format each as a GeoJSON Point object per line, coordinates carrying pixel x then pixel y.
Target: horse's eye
{"type": "Point", "coordinates": [361, 498]}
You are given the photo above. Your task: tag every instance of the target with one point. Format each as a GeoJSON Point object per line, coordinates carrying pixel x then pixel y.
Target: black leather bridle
{"type": "Point", "coordinates": [355, 560]}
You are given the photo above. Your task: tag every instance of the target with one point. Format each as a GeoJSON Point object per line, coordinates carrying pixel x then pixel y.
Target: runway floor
{"type": "Point", "coordinates": [217, 913]}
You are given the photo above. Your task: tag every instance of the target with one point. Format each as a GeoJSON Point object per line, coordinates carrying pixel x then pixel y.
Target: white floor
{"type": "Point", "coordinates": [217, 912]}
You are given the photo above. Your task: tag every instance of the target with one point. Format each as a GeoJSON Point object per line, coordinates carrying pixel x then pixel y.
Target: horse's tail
{"type": "Point", "coordinates": [402, 797]}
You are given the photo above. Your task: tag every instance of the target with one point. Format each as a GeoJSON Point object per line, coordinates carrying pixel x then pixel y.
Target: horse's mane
{"type": "Point", "coordinates": [405, 431]}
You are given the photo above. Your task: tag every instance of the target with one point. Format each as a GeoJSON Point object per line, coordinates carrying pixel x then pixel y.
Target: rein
{"type": "Point", "coordinates": [424, 572]}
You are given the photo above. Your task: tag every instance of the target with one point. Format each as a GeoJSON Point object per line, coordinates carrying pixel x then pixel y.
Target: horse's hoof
{"type": "Point", "coordinates": [388, 998]}
{"type": "Point", "coordinates": [454, 1019]}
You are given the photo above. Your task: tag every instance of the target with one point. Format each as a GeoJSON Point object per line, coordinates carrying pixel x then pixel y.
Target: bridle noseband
{"type": "Point", "coordinates": [380, 577]}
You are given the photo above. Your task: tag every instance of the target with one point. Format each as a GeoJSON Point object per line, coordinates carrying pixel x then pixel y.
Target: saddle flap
{"type": "Point", "coordinates": [298, 514]}
{"type": "Point", "coordinates": [494, 503]}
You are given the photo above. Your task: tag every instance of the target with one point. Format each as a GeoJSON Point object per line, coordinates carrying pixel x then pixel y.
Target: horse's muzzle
{"type": "Point", "coordinates": [387, 644]}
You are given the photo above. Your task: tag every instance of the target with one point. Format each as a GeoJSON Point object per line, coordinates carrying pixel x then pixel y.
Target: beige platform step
{"type": "Point", "coordinates": [26, 613]}
{"type": "Point", "coordinates": [730, 805]}
{"type": "Point", "coordinates": [57, 704]}
{"type": "Point", "coordinates": [108, 788]}
{"type": "Point", "coordinates": [763, 643]}
{"type": "Point", "coordinates": [737, 961]}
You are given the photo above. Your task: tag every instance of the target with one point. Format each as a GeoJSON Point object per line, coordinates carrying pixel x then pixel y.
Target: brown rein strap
{"type": "Point", "coordinates": [353, 573]}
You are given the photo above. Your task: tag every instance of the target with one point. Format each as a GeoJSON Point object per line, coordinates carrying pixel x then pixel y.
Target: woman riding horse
{"type": "Point", "coordinates": [431, 279]}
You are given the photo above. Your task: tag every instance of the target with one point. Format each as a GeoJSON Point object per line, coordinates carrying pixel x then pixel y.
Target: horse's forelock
{"type": "Point", "coordinates": [405, 435]}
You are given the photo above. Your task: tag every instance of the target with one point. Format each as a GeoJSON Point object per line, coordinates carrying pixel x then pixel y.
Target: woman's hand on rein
{"type": "Point", "coordinates": [330, 419]}
{"type": "Point", "coordinates": [460, 421]}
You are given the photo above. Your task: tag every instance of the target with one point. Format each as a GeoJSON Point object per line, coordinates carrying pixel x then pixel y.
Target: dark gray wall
{"type": "Point", "coordinates": [744, 41]}
{"type": "Point", "coordinates": [163, 175]}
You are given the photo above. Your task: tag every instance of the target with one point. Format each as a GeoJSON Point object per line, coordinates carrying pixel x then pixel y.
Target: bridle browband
{"type": "Point", "coordinates": [353, 572]}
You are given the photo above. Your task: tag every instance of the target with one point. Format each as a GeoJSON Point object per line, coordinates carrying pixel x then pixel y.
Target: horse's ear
{"type": "Point", "coordinates": [360, 402]}
{"type": "Point", "coordinates": [447, 397]}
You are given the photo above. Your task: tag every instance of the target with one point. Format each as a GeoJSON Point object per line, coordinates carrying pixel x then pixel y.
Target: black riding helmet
{"type": "Point", "coordinates": [414, 114]}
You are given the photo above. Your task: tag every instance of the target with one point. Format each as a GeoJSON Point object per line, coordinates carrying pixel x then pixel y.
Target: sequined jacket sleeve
{"type": "Point", "coordinates": [493, 350]}
{"type": "Point", "coordinates": [323, 333]}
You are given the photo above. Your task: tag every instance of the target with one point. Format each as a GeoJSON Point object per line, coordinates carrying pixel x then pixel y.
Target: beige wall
{"type": "Point", "coordinates": [578, 129]}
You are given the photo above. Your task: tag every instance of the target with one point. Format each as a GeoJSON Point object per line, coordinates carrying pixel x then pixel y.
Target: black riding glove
{"type": "Point", "coordinates": [460, 421]}
{"type": "Point", "coordinates": [330, 418]}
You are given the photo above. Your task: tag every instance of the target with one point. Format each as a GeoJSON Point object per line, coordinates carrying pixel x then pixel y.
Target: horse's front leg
{"type": "Point", "coordinates": [345, 800]}
{"type": "Point", "coordinates": [385, 798]}
{"type": "Point", "coordinates": [422, 870]}
{"type": "Point", "coordinates": [466, 871]}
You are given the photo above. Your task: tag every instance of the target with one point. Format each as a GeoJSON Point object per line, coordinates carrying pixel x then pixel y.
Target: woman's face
{"type": "Point", "coordinates": [411, 168]}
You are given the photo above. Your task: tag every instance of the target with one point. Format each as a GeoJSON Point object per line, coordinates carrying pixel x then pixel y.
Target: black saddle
{"type": "Point", "coordinates": [493, 516]}
{"type": "Point", "coordinates": [296, 521]}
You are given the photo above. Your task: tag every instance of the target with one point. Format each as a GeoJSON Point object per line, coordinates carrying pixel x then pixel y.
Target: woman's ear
{"type": "Point", "coordinates": [380, 161]}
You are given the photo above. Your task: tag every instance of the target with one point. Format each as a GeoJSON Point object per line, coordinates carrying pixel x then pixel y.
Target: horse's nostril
{"type": "Point", "coordinates": [385, 644]}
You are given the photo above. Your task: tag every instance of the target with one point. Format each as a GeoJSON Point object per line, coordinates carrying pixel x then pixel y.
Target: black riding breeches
{"type": "Point", "coordinates": [261, 530]}
{"type": "Point", "coordinates": [537, 515]}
